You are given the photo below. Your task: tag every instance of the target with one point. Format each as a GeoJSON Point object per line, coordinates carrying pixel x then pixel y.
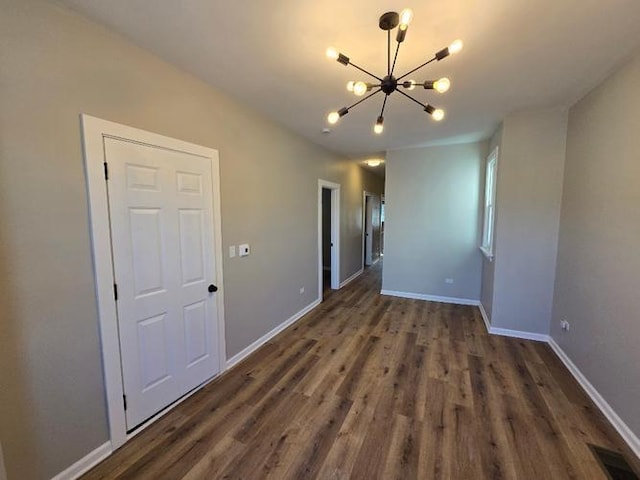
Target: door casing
{"type": "Point", "coordinates": [371, 196]}
{"type": "Point", "coordinates": [94, 130]}
{"type": "Point", "coordinates": [335, 234]}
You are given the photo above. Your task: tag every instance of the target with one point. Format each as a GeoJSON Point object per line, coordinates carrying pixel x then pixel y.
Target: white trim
{"type": "Point", "coordinates": [366, 194]}
{"type": "Point", "coordinates": [335, 234]}
{"type": "Point", "coordinates": [102, 452]}
{"type": "Point", "coordinates": [93, 132]}
{"type": "Point", "coordinates": [238, 357]}
{"type": "Point", "coordinates": [485, 317]}
{"type": "Point", "coordinates": [352, 278]}
{"type": "Point", "coordinates": [85, 463]}
{"type": "Point", "coordinates": [623, 429]}
{"type": "Point", "coordinates": [431, 298]}
{"type": "Point", "coordinates": [505, 332]}
{"type": "Point", "coordinates": [489, 228]}
{"type": "Point", "coordinates": [487, 253]}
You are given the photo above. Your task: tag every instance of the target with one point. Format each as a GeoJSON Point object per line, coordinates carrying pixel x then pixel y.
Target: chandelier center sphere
{"type": "Point", "coordinates": [389, 84]}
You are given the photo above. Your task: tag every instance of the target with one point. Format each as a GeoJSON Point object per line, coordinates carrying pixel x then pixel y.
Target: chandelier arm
{"type": "Point", "coordinates": [395, 58]}
{"type": "Point", "coordinates": [384, 104]}
{"type": "Point", "coordinates": [411, 98]}
{"type": "Point", "coordinates": [364, 71]}
{"type": "Point", "coordinates": [417, 68]}
{"type": "Point", "coordinates": [363, 99]}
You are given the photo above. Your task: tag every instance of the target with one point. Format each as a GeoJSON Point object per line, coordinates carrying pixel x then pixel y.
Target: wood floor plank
{"type": "Point", "coordinates": [374, 450]}
{"type": "Point", "coordinates": [318, 435]}
{"type": "Point", "coordinates": [342, 456]}
{"type": "Point", "coordinates": [368, 386]}
{"type": "Point", "coordinates": [432, 463]}
{"type": "Point", "coordinates": [404, 450]}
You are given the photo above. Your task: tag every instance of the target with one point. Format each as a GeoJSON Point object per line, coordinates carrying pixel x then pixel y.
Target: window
{"type": "Point", "coordinates": [489, 204]}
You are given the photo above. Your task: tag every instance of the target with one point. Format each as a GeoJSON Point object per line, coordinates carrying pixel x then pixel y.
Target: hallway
{"type": "Point", "coordinates": [369, 386]}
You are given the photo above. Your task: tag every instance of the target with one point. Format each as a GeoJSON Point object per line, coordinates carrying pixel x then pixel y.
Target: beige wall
{"type": "Point", "coordinates": [596, 286]}
{"type": "Point", "coordinates": [528, 195]}
{"type": "Point", "coordinates": [432, 220]}
{"type": "Point", "coordinates": [55, 65]}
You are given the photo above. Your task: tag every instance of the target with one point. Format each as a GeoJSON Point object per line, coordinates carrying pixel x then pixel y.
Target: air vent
{"type": "Point", "coordinates": [614, 464]}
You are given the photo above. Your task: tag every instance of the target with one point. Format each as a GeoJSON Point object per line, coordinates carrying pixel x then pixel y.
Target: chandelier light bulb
{"type": "Point", "coordinates": [412, 85]}
{"type": "Point", "coordinates": [333, 118]}
{"type": "Point", "coordinates": [406, 16]}
{"type": "Point", "coordinates": [455, 47]}
{"type": "Point", "coordinates": [332, 53]}
{"type": "Point", "coordinates": [350, 85]}
{"type": "Point", "coordinates": [379, 126]}
{"type": "Point", "coordinates": [359, 88]}
{"type": "Point", "coordinates": [442, 85]}
{"type": "Point", "coordinates": [438, 114]}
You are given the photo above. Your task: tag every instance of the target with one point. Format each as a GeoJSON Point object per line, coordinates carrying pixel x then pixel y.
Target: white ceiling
{"type": "Point", "coordinates": [519, 54]}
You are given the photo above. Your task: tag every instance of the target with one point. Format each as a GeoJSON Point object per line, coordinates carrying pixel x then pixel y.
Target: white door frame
{"type": "Point", "coordinates": [94, 130]}
{"type": "Point", "coordinates": [366, 194]}
{"type": "Point", "coordinates": [335, 234]}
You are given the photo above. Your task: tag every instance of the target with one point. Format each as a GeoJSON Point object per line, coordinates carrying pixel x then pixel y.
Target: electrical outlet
{"type": "Point", "coordinates": [301, 290]}
{"type": "Point", "coordinates": [564, 324]}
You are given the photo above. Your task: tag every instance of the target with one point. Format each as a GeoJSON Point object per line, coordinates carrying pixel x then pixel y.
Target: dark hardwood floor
{"type": "Point", "coordinates": [369, 386]}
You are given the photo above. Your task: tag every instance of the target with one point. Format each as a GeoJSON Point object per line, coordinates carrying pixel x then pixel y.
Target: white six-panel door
{"type": "Point", "coordinates": [160, 204]}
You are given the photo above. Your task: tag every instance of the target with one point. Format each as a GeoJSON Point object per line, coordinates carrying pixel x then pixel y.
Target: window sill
{"type": "Point", "coordinates": [487, 253]}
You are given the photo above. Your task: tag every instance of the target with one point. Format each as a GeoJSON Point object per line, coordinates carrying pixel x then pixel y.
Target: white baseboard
{"type": "Point", "coordinates": [431, 298]}
{"type": "Point", "coordinates": [238, 357]}
{"type": "Point", "coordinates": [103, 451]}
{"type": "Point", "coordinates": [351, 278]}
{"type": "Point", "coordinates": [84, 464]}
{"type": "Point", "coordinates": [485, 317]}
{"type": "Point", "coordinates": [625, 432]}
{"type": "Point", "coordinates": [505, 332]}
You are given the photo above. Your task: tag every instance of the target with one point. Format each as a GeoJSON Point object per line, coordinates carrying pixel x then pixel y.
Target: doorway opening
{"type": "Point", "coordinates": [371, 229]}
{"type": "Point", "coordinates": [326, 239]}
{"type": "Point", "coordinates": [328, 236]}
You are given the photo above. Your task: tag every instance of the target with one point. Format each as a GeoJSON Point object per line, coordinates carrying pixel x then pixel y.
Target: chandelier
{"type": "Point", "coordinates": [389, 83]}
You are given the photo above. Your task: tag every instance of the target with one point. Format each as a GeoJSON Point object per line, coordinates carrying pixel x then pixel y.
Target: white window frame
{"type": "Point", "coordinates": [489, 217]}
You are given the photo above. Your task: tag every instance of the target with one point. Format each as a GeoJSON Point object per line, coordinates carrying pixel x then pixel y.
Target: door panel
{"type": "Point", "coordinates": [146, 246]}
{"type": "Point", "coordinates": [163, 252]}
{"type": "Point", "coordinates": [153, 348]}
{"type": "Point", "coordinates": [195, 327]}
{"type": "Point", "coordinates": [191, 246]}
